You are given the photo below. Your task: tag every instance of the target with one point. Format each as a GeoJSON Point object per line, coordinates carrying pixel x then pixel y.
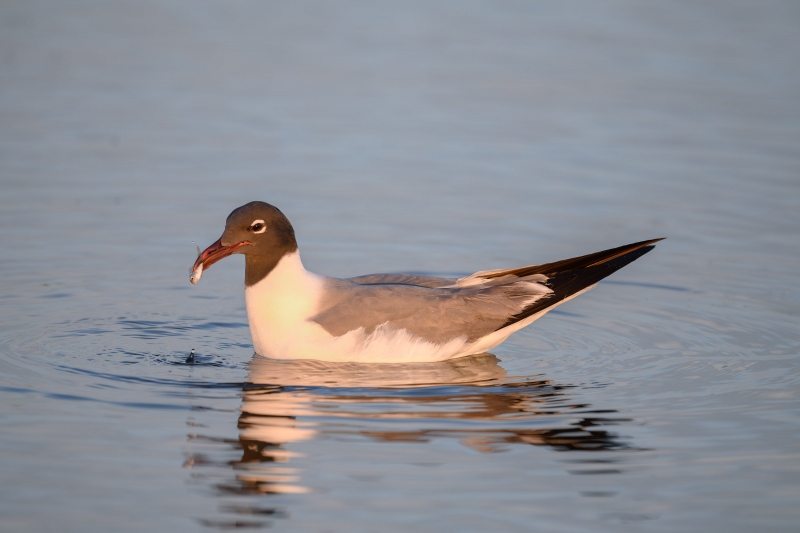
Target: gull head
{"type": "Point", "coordinates": [257, 230]}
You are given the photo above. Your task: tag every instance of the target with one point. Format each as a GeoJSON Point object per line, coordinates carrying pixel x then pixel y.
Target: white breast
{"type": "Point", "coordinates": [279, 306]}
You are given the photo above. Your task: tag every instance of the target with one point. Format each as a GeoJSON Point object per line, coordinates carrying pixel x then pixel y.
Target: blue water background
{"type": "Point", "coordinates": [436, 137]}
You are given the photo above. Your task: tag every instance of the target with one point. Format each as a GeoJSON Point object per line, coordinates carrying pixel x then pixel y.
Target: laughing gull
{"type": "Point", "coordinates": [295, 314]}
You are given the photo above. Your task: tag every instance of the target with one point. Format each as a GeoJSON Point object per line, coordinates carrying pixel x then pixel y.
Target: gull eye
{"type": "Point", "coordinates": [258, 226]}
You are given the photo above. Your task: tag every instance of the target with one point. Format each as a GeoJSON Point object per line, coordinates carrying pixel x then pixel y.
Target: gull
{"type": "Point", "coordinates": [389, 318]}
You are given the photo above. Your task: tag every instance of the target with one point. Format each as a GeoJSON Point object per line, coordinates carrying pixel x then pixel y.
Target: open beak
{"type": "Point", "coordinates": [211, 255]}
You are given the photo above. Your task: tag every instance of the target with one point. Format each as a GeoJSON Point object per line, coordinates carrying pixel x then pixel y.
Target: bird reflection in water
{"type": "Point", "coordinates": [471, 399]}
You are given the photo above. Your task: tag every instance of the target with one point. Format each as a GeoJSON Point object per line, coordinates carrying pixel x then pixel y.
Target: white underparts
{"type": "Point", "coordinates": [278, 308]}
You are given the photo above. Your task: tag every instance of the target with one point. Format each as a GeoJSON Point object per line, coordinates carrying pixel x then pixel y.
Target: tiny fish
{"type": "Point", "coordinates": [196, 273]}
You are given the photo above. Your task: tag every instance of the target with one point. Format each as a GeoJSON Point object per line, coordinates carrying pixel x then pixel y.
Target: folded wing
{"type": "Point", "coordinates": [440, 309]}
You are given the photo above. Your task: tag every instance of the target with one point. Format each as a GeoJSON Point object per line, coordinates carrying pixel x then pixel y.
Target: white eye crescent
{"type": "Point", "coordinates": [258, 226]}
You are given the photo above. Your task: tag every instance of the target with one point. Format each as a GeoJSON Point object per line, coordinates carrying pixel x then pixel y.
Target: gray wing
{"type": "Point", "coordinates": [419, 280]}
{"type": "Point", "coordinates": [435, 314]}
{"type": "Point", "coordinates": [440, 309]}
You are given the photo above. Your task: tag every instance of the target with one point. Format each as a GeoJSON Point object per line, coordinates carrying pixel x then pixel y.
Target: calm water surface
{"type": "Point", "coordinates": [431, 137]}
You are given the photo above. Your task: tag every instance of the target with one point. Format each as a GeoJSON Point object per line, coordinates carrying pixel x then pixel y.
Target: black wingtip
{"type": "Point", "coordinates": [614, 253]}
{"type": "Point", "coordinates": [575, 275]}
{"type": "Point", "coordinates": [574, 263]}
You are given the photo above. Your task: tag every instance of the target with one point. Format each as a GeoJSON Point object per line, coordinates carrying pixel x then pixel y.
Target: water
{"type": "Point", "coordinates": [430, 137]}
